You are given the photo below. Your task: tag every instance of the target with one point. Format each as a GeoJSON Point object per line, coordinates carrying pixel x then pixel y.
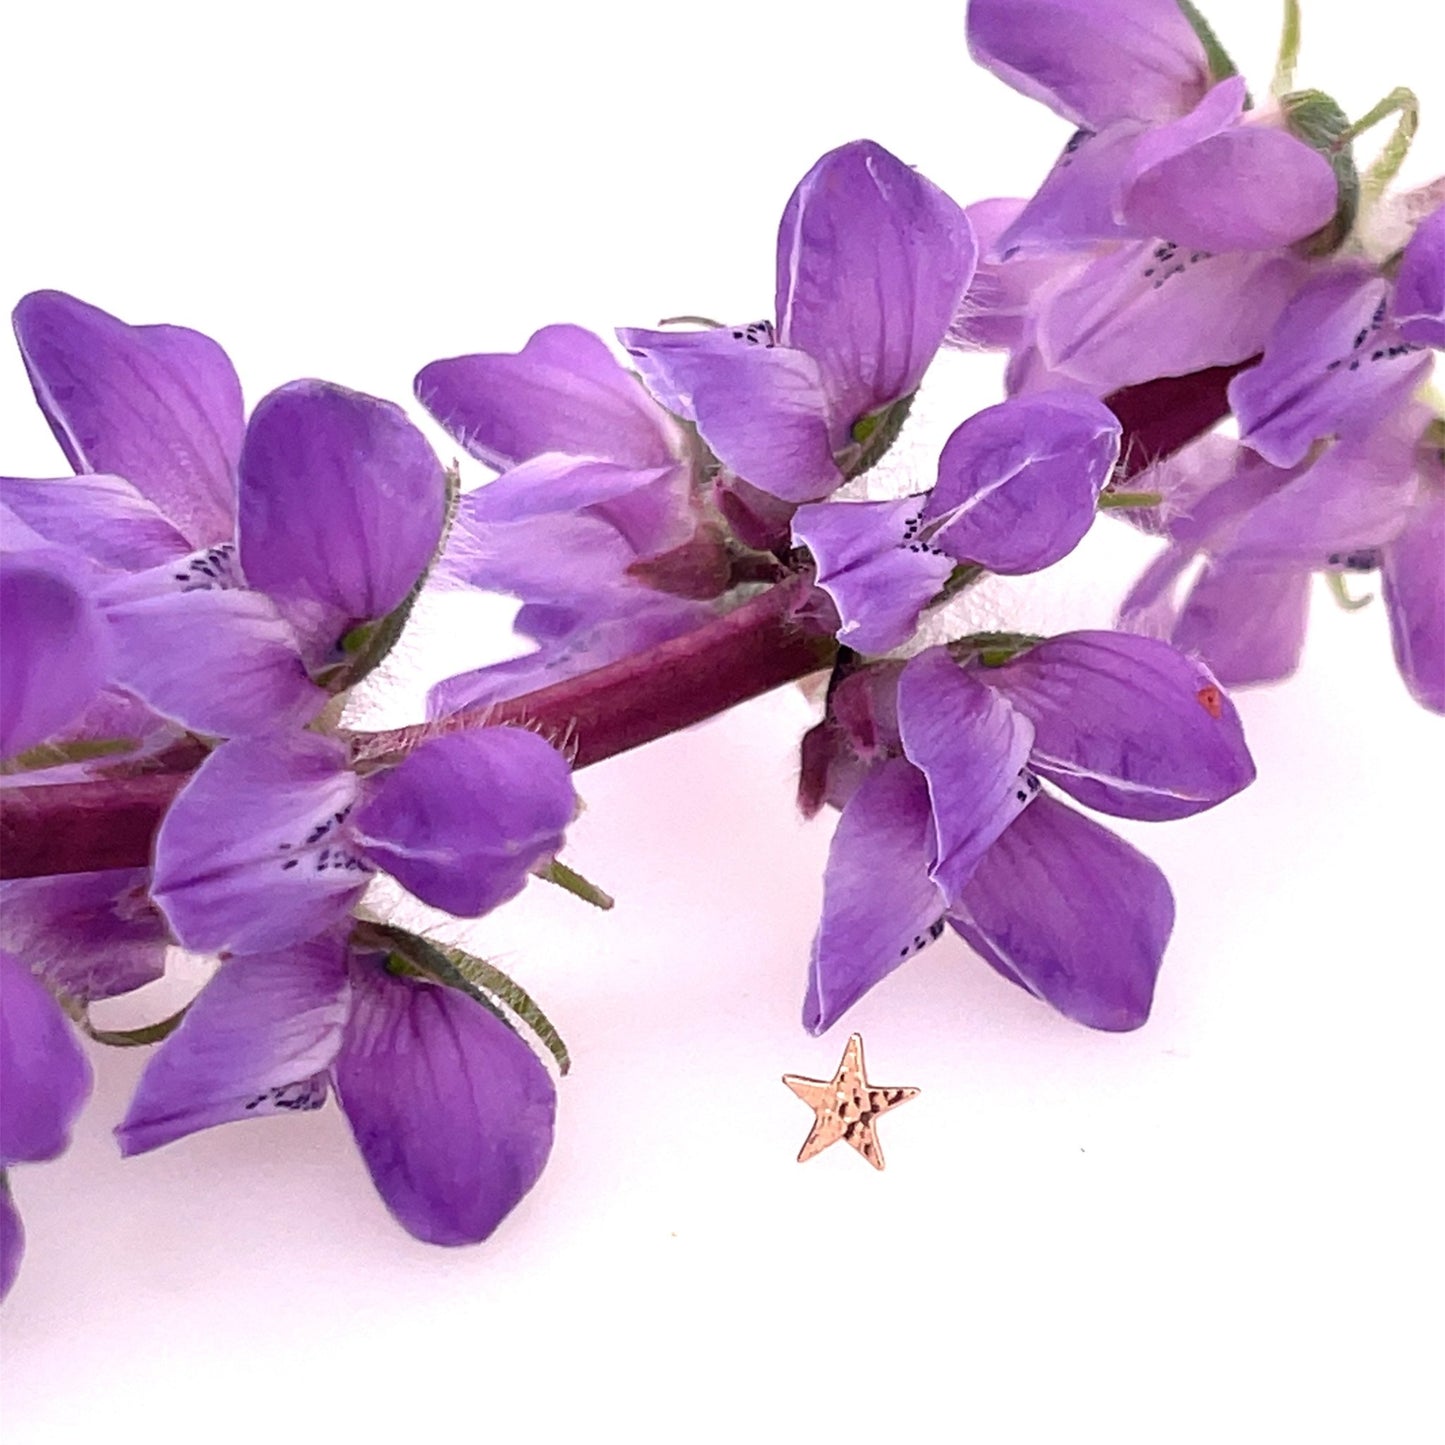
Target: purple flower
{"type": "Point", "coordinates": [872, 263]}
{"type": "Point", "coordinates": [1016, 491]}
{"type": "Point", "coordinates": [1333, 364]}
{"type": "Point", "coordinates": [451, 1110]}
{"type": "Point", "coordinates": [1419, 302]}
{"type": "Point", "coordinates": [56, 655]}
{"type": "Point", "coordinates": [594, 470]}
{"type": "Point", "coordinates": [1094, 62]}
{"type": "Point", "coordinates": [226, 559]}
{"type": "Point", "coordinates": [1374, 499]}
{"type": "Point", "coordinates": [44, 1080]}
{"type": "Point", "coordinates": [262, 858]}
{"type": "Point", "coordinates": [273, 841]}
{"type": "Point", "coordinates": [945, 818]}
{"type": "Point", "coordinates": [1217, 179]}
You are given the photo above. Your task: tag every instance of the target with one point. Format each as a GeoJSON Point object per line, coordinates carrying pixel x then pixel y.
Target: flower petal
{"type": "Point", "coordinates": [157, 405]}
{"type": "Point", "coordinates": [1003, 295]}
{"type": "Point", "coordinates": [563, 392]}
{"type": "Point", "coordinates": [463, 821]}
{"type": "Point", "coordinates": [1018, 483]}
{"type": "Point", "coordinates": [871, 564]}
{"type": "Point", "coordinates": [452, 1112]}
{"type": "Point", "coordinates": [1092, 61]}
{"type": "Point", "coordinates": [1209, 182]}
{"type": "Point", "coordinates": [56, 655]}
{"type": "Point", "coordinates": [1414, 587]}
{"type": "Point", "coordinates": [1419, 304]}
{"type": "Point", "coordinates": [102, 518]}
{"type": "Point", "coordinates": [522, 557]}
{"type": "Point", "coordinates": [1353, 497]}
{"type": "Point", "coordinates": [762, 409]}
{"type": "Point", "coordinates": [221, 662]}
{"type": "Point", "coordinates": [254, 854]}
{"type": "Point", "coordinates": [1072, 913]}
{"type": "Point", "coordinates": [1245, 621]}
{"type": "Point", "coordinates": [1155, 309]}
{"type": "Point", "coordinates": [258, 1040]}
{"type": "Point", "coordinates": [649, 507]}
{"type": "Point", "coordinates": [12, 1238]}
{"type": "Point", "coordinates": [1073, 207]}
{"type": "Point", "coordinates": [972, 747]}
{"type": "Point", "coordinates": [1128, 725]}
{"type": "Point", "coordinates": [44, 1075]}
{"type": "Point", "coordinates": [89, 935]}
{"type": "Point", "coordinates": [1333, 363]}
{"type": "Point", "coordinates": [879, 905]}
{"type": "Point", "coordinates": [589, 642]}
{"type": "Point", "coordinates": [873, 260]}
{"type": "Point", "coordinates": [341, 504]}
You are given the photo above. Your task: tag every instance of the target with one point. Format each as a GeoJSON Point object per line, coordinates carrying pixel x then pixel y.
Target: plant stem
{"type": "Point", "coordinates": [110, 823]}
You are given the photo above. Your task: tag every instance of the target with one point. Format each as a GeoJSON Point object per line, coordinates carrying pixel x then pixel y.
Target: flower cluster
{"type": "Point", "coordinates": [684, 522]}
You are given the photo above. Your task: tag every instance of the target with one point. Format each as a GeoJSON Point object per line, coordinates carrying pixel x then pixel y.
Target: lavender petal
{"type": "Point", "coordinates": [1062, 907]}
{"type": "Point", "coordinates": [463, 821]}
{"type": "Point", "coordinates": [254, 854]}
{"type": "Point", "coordinates": [157, 405]}
{"type": "Point", "coordinates": [452, 1112]}
{"type": "Point", "coordinates": [341, 503]}
{"type": "Point", "coordinates": [879, 904]}
{"type": "Point", "coordinates": [563, 392]}
{"type": "Point", "coordinates": [1018, 483]}
{"type": "Point", "coordinates": [44, 1075]}
{"type": "Point", "coordinates": [972, 747]}
{"type": "Point", "coordinates": [257, 1040]}
{"type": "Point", "coordinates": [873, 260]}
{"type": "Point", "coordinates": [1128, 725]}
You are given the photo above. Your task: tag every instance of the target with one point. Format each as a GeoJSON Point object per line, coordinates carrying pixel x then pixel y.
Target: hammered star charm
{"type": "Point", "coordinates": [846, 1106]}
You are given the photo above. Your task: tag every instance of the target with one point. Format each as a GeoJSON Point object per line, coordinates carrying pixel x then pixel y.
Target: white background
{"type": "Point", "coordinates": [1222, 1227]}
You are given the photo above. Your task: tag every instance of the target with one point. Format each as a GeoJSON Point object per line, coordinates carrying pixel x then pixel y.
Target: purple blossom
{"type": "Point", "coordinates": [1370, 500]}
{"type": "Point", "coordinates": [1333, 363]}
{"type": "Point", "coordinates": [872, 263]}
{"type": "Point", "coordinates": [56, 655]}
{"type": "Point", "coordinates": [451, 1110]}
{"type": "Point", "coordinates": [593, 469]}
{"type": "Point", "coordinates": [44, 1080]}
{"type": "Point", "coordinates": [1217, 179]}
{"type": "Point", "coordinates": [1094, 62]}
{"type": "Point", "coordinates": [1419, 301]}
{"type": "Point", "coordinates": [272, 841]}
{"type": "Point", "coordinates": [940, 772]}
{"type": "Point", "coordinates": [225, 559]}
{"type": "Point", "coordinates": [1016, 491]}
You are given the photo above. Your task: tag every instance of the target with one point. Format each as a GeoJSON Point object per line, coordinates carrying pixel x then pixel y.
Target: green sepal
{"type": "Point", "coordinates": [574, 883]}
{"type": "Point", "coordinates": [1289, 38]}
{"type": "Point", "coordinates": [409, 955]}
{"type": "Point", "coordinates": [1108, 501]}
{"type": "Point", "coordinates": [963, 576]}
{"type": "Point", "coordinates": [1221, 67]}
{"type": "Point", "coordinates": [1317, 120]}
{"type": "Point", "coordinates": [135, 1038]}
{"type": "Point", "coordinates": [55, 755]}
{"type": "Point", "coordinates": [875, 433]}
{"type": "Point", "coordinates": [368, 644]}
{"type": "Point", "coordinates": [993, 649]}
{"type": "Point", "coordinates": [1340, 593]}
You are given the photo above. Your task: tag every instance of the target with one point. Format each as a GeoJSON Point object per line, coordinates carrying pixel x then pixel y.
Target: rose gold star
{"type": "Point", "coordinates": [847, 1107]}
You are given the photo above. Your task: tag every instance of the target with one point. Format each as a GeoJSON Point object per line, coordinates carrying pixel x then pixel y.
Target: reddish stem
{"type": "Point", "coordinates": [110, 823]}
{"type": "Point", "coordinates": [1163, 415]}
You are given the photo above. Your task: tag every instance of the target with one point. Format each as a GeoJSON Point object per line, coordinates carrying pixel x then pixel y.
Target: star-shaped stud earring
{"type": "Point", "coordinates": [846, 1106]}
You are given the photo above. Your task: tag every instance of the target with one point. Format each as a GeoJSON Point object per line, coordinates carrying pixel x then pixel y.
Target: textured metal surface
{"type": "Point", "coordinates": [846, 1106]}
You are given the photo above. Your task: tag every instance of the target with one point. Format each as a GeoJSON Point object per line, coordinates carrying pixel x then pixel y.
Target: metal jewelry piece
{"type": "Point", "coordinates": [847, 1107]}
